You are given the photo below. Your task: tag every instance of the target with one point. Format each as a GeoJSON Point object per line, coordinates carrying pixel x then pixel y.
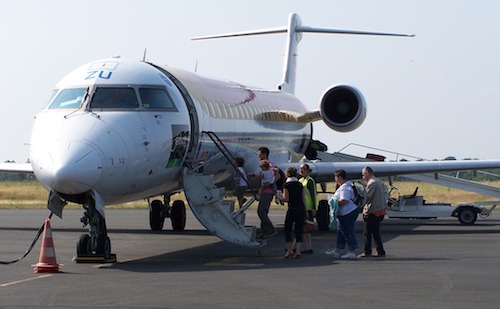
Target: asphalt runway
{"type": "Point", "coordinates": [429, 264]}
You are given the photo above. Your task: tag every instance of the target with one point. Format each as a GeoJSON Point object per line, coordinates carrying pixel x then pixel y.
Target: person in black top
{"type": "Point", "coordinates": [293, 194]}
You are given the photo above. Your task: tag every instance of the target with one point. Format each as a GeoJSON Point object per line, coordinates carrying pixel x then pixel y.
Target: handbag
{"type": "Point", "coordinates": [309, 226]}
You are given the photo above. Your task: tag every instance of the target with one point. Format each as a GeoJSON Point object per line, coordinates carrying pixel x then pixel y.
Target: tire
{"type": "Point", "coordinates": [178, 215]}
{"type": "Point", "coordinates": [323, 215]}
{"type": "Point", "coordinates": [156, 218]}
{"type": "Point", "coordinates": [104, 246]}
{"type": "Point", "coordinates": [83, 245]}
{"type": "Point", "coordinates": [467, 216]}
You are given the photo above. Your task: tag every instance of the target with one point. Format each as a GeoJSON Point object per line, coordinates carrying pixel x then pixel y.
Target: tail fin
{"type": "Point", "coordinates": [294, 30]}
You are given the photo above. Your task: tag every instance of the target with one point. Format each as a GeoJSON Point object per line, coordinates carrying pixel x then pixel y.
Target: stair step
{"type": "Point", "coordinates": [216, 214]}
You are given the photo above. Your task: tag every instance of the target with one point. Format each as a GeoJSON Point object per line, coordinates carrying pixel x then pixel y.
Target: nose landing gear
{"type": "Point", "coordinates": [94, 247]}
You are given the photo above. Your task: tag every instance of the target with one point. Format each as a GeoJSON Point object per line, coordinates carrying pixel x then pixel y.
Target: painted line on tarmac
{"type": "Point", "coordinates": [24, 280]}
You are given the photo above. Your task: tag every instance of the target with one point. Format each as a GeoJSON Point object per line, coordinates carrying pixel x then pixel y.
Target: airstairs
{"type": "Point", "coordinates": [207, 203]}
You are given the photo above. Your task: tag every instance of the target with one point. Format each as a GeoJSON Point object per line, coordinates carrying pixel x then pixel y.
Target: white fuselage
{"type": "Point", "coordinates": [126, 128]}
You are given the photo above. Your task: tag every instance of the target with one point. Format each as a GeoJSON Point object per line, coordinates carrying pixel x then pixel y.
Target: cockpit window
{"type": "Point", "coordinates": [52, 95]}
{"type": "Point", "coordinates": [114, 98]}
{"type": "Point", "coordinates": [69, 98]}
{"type": "Point", "coordinates": [156, 98]}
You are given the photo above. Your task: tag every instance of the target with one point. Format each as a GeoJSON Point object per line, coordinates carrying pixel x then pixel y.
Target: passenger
{"type": "Point", "coordinates": [347, 215]}
{"type": "Point", "coordinates": [373, 212]}
{"type": "Point", "coordinates": [311, 202]}
{"type": "Point", "coordinates": [240, 181]}
{"type": "Point", "coordinates": [266, 197]}
{"type": "Point", "coordinates": [293, 194]}
{"type": "Point", "coordinates": [266, 177]}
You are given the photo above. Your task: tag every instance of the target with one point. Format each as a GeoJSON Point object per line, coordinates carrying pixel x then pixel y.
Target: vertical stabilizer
{"type": "Point", "coordinates": [290, 62]}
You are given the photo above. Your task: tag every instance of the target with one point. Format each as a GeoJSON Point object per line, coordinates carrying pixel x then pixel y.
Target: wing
{"type": "Point", "coordinates": [323, 171]}
{"type": "Point", "coordinates": [17, 168]}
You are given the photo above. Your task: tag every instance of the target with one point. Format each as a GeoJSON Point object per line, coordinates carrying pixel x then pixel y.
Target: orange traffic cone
{"type": "Point", "coordinates": [47, 261]}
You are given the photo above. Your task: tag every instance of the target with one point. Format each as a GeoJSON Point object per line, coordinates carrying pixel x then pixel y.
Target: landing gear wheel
{"type": "Point", "coordinates": [178, 215]}
{"type": "Point", "coordinates": [467, 216]}
{"type": "Point", "coordinates": [104, 246]}
{"type": "Point", "coordinates": [156, 218]}
{"type": "Point", "coordinates": [83, 245]}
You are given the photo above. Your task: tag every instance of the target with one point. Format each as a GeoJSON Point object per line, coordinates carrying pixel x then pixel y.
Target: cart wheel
{"type": "Point", "coordinates": [467, 216]}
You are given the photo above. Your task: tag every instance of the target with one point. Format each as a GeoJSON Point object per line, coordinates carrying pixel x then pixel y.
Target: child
{"type": "Point", "coordinates": [240, 180]}
{"type": "Point", "coordinates": [266, 176]}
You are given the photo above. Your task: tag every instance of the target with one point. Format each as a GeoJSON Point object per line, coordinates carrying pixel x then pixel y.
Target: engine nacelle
{"type": "Point", "coordinates": [343, 108]}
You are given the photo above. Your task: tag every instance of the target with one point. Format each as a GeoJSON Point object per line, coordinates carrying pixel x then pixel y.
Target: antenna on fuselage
{"type": "Point", "coordinates": [294, 30]}
{"type": "Point", "coordinates": [144, 55]}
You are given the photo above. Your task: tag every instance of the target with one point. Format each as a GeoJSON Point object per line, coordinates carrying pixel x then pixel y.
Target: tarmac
{"type": "Point", "coordinates": [434, 263]}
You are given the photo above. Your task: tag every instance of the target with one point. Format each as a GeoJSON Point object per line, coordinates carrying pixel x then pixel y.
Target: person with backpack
{"type": "Point", "coordinates": [267, 227]}
{"type": "Point", "coordinates": [373, 212]}
{"type": "Point", "coordinates": [347, 215]}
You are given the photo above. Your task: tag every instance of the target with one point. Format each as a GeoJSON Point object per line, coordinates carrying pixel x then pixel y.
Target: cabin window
{"type": "Point", "coordinates": [156, 98]}
{"type": "Point", "coordinates": [69, 98]}
{"type": "Point", "coordinates": [114, 98]}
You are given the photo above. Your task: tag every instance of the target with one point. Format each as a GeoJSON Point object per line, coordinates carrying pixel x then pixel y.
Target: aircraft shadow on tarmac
{"type": "Point", "coordinates": [224, 256]}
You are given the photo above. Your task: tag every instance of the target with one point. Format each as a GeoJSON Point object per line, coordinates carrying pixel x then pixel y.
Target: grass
{"type": "Point", "coordinates": [30, 194]}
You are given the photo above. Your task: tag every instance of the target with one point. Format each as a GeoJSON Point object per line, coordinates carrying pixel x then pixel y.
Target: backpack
{"type": "Point", "coordinates": [359, 195]}
{"type": "Point", "coordinates": [280, 182]}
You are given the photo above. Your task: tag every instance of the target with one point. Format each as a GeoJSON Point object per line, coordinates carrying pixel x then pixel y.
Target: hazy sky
{"type": "Point", "coordinates": [431, 96]}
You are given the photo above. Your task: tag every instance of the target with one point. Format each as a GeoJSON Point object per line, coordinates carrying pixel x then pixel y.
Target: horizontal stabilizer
{"type": "Point", "coordinates": [294, 31]}
{"type": "Point", "coordinates": [242, 33]}
{"type": "Point", "coordinates": [297, 29]}
{"type": "Point", "coordinates": [354, 32]}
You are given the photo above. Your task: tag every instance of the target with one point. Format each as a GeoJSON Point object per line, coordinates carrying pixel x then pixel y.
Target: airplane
{"type": "Point", "coordinates": [119, 130]}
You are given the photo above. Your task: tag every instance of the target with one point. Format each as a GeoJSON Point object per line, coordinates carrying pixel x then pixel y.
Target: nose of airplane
{"type": "Point", "coordinates": [69, 167]}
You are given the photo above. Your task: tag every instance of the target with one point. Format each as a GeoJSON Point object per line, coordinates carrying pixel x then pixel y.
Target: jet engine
{"type": "Point", "coordinates": [343, 108]}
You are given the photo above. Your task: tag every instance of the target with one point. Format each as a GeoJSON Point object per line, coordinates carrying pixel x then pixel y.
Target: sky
{"type": "Point", "coordinates": [431, 96]}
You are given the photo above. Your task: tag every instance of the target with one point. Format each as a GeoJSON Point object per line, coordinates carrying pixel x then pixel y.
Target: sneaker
{"type": "Point", "coordinates": [349, 256]}
{"type": "Point", "coordinates": [310, 251]}
{"type": "Point", "coordinates": [333, 253]}
{"type": "Point", "coordinates": [365, 255]}
{"type": "Point", "coordinates": [381, 254]}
